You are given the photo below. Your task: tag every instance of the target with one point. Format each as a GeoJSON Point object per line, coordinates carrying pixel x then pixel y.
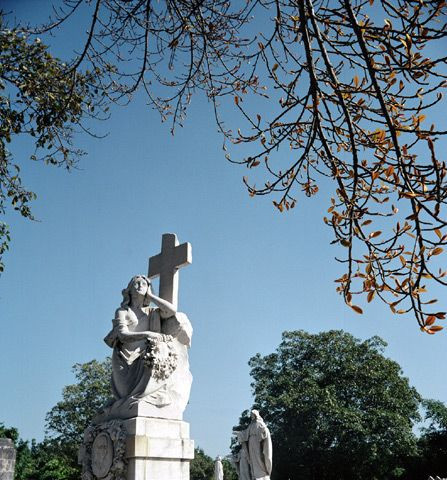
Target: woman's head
{"type": "Point", "coordinates": [255, 415]}
{"type": "Point", "coordinates": [139, 285]}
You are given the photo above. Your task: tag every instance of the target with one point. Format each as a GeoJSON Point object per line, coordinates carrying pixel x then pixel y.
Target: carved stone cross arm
{"type": "Point", "coordinates": [166, 265]}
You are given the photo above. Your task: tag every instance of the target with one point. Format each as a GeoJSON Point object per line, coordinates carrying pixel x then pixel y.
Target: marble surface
{"type": "Point", "coordinates": [137, 449]}
{"type": "Point", "coordinates": [103, 452]}
{"type": "Point", "coordinates": [150, 340]}
{"type": "Point", "coordinates": [7, 459]}
{"type": "Point", "coordinates": [218, 469]}
{"type": "Point", "coordinates": [255, 457]}
{"type": "Point", "coordinates": [158, 449]}
{"type": "Point", "coordinates": [102, 455]}
{"type": "Point", "coordinates": [167, 263]}
{"type": "Point", "coordinates": [140, 434]}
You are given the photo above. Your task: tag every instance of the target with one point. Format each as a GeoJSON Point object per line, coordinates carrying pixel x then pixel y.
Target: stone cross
{"type": "Point", "coordinates": [166, 265]}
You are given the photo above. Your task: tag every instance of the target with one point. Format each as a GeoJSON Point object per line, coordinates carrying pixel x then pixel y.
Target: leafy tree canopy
{"type": "Point", "coordinates": [334, 404]}
{"type": "Point", "coordinates": [55, 458]}
{"type": "Point", "coordinates": [336, 407]}
{"type": "Point", "coordinates": [432, 443]}
{"type": "Point", "coordinates": [68, 419]}
{"type": "Point", "coordinates": [343, 89]}
{"type": "Point", "coordinates": [40, 461]}
{"type": "Point", "coordinates": [40, 97]}
{"type": "Point", "coordinates": [202, 467]}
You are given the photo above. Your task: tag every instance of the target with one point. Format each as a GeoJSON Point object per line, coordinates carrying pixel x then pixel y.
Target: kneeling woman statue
{"type": "Point", "coordinates": [150, 368]}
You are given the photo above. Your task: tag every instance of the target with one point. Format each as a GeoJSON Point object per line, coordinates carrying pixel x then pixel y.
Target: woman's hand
{"type": "Point", "coordinates": [151, 336]}
{"type": "Point", "coordinates": [166, 308]}
{"type": "Point", "coordinates": [149, 292]}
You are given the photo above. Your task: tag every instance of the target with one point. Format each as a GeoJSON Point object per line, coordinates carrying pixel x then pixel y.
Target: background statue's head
{"type": "Point", "coordinates": [255, 415]}
{"type": "Point", "coordinates": [138, 285]}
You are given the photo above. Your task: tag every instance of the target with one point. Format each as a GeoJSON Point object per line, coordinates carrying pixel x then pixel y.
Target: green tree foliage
{"type": "Point", "coordinates": [57, 456]}
{"type": "Point", "coordinates": [337, 408]}
{"type": "Point", "coordinates": [24, 459]}
{"type": "Point", "coordinates": [68, 419]}
{"type": "Point", "coordinates": [45, 99]}
{"type": "Point", "coordinates": [229, 471]}
{"type": "Point", "coordinates": [436, 416]}
{"type": "Point", "coordinates": [9, 432]}
{"type": "Point", "coordinates": [432, 444]}
{"type": "Point", "coordinates": [41, 461]}
{"type": "Point", "coordinates": [202, 467]}
{"type": "Point", "coordinates": [53, 461]}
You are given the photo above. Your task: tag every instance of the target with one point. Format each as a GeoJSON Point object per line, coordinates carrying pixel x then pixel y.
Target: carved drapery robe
{"type": "Point", "coordinates": [257, 441]}
{"type": "Point", "coordinates": [160, 375]}
{"type": "Point", "coordinates": [218, 470]}
{"type": "Point", "coordinates": [242, 463]}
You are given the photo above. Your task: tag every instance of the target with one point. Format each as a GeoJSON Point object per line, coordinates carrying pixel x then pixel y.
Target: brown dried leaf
{"type": "Point", "coordinates": [435, 328]}
{"type": "Point", "coordinates": [356, 309]}
{"type": "Point", "coordinates": [408, 194]}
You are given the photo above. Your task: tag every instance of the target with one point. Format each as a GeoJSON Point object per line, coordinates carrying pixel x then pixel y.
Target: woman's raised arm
{"type": "Point", "coordinates": [166, 308]}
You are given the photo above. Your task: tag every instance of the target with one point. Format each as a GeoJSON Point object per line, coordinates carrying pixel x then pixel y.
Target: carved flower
{"type": "Point", "coordinates": [161, 359]}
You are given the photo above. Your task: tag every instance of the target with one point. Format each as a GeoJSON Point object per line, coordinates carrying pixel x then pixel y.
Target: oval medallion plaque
{"type": "Point", "coordinates": [102, 455]}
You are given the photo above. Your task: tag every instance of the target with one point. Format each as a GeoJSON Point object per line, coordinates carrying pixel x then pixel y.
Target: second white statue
{"type": "Point", "coordinates": [254, 460]}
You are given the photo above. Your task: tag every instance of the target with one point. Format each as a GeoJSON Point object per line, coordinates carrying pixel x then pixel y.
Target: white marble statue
{"type": "Point", "coordinates": [218, 469]}
{"type": "Point", "coordinates": [150, 341]}
{"type": "Point", "coordinates": [241, 460]}
{"type": "Point", "coordinates": [254, 460]}
{"type": "Point", "coordinates": [140, 433]}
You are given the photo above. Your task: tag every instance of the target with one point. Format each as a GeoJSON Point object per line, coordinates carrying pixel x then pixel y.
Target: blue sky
{"type": "Point", "coordinates": [255, 272]}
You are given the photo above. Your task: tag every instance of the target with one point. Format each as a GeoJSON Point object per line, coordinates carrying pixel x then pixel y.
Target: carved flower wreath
{"type": "Point", "coordinates": [161, 358]}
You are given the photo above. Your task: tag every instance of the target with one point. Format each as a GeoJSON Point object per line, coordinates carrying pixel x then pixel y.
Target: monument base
{"type": "Point", "coordinates": [158, 449]}
{"type": "Point", "coordinates": [139, 448]}
{"type": "Point", "coordinates": [123, 411]}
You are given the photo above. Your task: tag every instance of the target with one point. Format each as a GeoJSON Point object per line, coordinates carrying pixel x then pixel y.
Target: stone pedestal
{"type": "Point", "coordinates": [139, 448]}
{"type": "Point", "coordinates": [140, 434]}
{"type": "Point", "coordinates": [158, 449]}
{"type": "Point", "coordinates": [7, 459]}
